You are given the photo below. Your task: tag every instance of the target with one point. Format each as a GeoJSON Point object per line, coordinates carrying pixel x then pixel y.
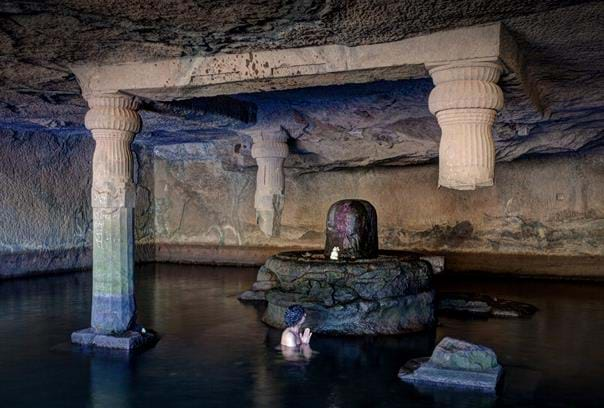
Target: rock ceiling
{"type": "Point", "coordinates": [386, 123]}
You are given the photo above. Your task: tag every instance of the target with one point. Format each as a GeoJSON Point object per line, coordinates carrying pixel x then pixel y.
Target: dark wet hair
{"type": "Point", "coordinates": [293, 315]}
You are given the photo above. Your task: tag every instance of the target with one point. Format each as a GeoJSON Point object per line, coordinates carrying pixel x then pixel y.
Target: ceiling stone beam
{"type": "Point", "coordinates": [224, 74]}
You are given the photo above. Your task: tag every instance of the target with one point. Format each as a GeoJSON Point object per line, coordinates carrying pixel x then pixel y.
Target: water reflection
{"type": "Point", "coordinates": [302, 353]}
{"type": "Point", "coordinates": [111, 379]}
{"type": "Point", "coordinates": [449, 396]}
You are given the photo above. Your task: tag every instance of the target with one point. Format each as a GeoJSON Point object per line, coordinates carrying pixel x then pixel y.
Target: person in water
{"type": "Point", "coordinates": [294, 317]}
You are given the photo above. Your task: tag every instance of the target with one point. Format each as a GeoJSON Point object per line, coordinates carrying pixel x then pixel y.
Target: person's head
{"type": "Point", "coordinates": [294, 316]}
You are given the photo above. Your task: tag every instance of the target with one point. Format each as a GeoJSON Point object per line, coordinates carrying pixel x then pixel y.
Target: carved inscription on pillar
{"type": "Point", "coordinates": [270, 150]}
{"type": "Point", "coordinates": [465, 100]}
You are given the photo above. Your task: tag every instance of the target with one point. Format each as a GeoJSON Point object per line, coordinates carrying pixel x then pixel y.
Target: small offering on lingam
{"type": "Point", "coordinates": [334, 254]}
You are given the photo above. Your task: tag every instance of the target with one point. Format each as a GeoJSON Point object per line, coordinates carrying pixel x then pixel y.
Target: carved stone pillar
{"type": "Point", "coordinates": [270, 150]}
{"type": "Point", "coordinates": [113, 121]}
{"type": "Point", "coordinates": [465, 100]}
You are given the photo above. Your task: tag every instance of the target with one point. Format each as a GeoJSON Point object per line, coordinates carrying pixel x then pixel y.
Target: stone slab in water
{"type": "Point", "coordinates": [455, 363]}
{"type": "Point", "coordinates": [129, 340]}
{"type": "Point", "coordinates": [252, 296]}
{"type": "Point", "coordinates": [386, 295]}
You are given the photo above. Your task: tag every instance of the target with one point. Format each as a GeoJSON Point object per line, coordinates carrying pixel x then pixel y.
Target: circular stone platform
{"type": "Point", "coordinates": [384, 295]}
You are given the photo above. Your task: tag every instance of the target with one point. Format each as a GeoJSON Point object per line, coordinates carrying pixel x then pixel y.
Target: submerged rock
{"type": "Point", "coordinates": [252, 296]}
{"type": "Point", "coordinates": [461, 355]}
{"type": "Point", "coordinates": [480, 305]}
{"type": "Point", "coordinates": [455, 363]}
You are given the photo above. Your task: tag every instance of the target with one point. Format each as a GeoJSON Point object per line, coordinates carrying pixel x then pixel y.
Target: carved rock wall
{"type": "Point", "coordinates": [193, 206]}
{"type": "Point", "coordinates": [45, 209]}
{"type": "Point", "coordinates": [45, 213]}
{"type": "Point", "coordinates": [541, 207]}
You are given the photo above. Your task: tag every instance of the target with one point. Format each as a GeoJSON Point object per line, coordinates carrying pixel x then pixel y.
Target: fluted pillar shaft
{"type": "Point", "coordinates": [270, 150]}
{"type": "Point", "coordinates": [465, 100]}
{"type": "Point", "coordinates": [113, 121]}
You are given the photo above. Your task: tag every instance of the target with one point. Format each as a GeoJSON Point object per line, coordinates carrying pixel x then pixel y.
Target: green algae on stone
{"type": "Point", "coordinates": [461, 355]}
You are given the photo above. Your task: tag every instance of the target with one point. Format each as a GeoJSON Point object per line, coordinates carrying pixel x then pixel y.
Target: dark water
{"type": "Point", "coordinates": [215, 352]}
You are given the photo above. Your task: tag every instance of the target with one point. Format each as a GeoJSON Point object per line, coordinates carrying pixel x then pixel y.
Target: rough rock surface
{"type": "Point", "coordinates": [479, 305]}
{"type": "Point", "coordinates": [195, 177]}
{"type": "Point", "coordinates": [455, 363]}
{"type": "Point", "coordinates": [45, 213]}
{"type": "Point", "coordinates": [527, 211]}
{"type": "Point", "coordinates": [461, 355]}
{"type": "Point", "coordinates": [186, 197]}
{"type": "Point", "coordinates": [353, 126]}
{"type": "Point", "coordinates": [45, 222]}
{"type": "Point", "coordinates": [386, 295]}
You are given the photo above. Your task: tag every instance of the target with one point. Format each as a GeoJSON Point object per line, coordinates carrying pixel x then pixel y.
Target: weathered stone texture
{"type": "Point", "coordinates": [113, 121]}
{"type": "Point", "coordinates": [528, 211]}
{"type": "Point", "coordinates": [461, 355]}
{"type": "Point", "coordinates": [384, 295]}
{"type": "Point", "coordinates": [45, 214]}
{"type": "Point", "coordinates": [560, 41]}
{"type": "Point", "coordinates": [455, 363]}
{"type": "Point", "coordinates": [199, 189]}
{"type": "Point", "coordinates": [185, 196]}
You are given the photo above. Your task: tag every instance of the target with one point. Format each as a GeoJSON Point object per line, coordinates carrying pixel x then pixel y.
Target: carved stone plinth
{"type": "Point", "coordinates": [270, 150]}
{"type": "Point", "coordinates": [113, 121]}
{"type": "Point", "coordinates": [465, 100]}
{"type": "Point", "coordinates": [383, 295]}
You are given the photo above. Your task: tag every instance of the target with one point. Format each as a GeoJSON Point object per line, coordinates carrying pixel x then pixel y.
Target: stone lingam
{"type": "Point", "coordinates": [362, 292]}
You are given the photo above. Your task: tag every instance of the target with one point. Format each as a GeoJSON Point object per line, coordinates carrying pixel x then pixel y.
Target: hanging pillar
{"type": "Point", "coordinates": [270, 150]}
{"type": "Point", "coordinates": [465, 100]}
{"type": "Point", "coordinates": [113, 121]}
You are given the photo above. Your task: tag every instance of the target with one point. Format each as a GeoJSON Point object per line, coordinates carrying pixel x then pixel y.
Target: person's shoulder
{"type": "Point", "coordinates": [287, 333]}
{"type": "Point", "coordinates": [288, 338]}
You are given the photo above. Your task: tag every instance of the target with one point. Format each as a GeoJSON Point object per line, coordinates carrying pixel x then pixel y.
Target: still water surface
{"type": "Point", "coordinates": [215, 352]}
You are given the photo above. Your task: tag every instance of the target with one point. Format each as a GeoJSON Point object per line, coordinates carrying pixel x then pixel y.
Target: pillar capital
{"type": "Point", "coordinates": [113, 113]}
{"type": "Point", "coordinates": [113, 120]}
{"type": "Point", "coordinates": [269, 144]}
{"type": "Point", "coordinates": [465, 100]}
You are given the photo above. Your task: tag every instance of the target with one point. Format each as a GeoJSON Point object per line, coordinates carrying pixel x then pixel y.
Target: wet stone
{"type": "Point", "coordinates": [458, 354]}
{"type": "Point", "coordinates": [480, 305]}
{"type": "Point", "coordinates": [128, 340]}
{"type": "Point", "coordinates": [252, 296]}
{"type": "Point", "coordinates": [385, 295]}
{"type": "Point", "coordinates": [455, 363]}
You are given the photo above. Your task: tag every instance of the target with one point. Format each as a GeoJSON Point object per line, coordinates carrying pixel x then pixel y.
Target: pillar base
{"type": "Point", "coordinates": [130, 340]}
